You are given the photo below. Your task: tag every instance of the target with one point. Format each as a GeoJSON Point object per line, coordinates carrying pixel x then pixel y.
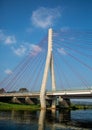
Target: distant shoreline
{"type": "Point", "coordinates": [80, 106]}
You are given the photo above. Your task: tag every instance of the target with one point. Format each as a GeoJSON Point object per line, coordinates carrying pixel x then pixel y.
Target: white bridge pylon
{"type": "Point", "coordinates": [48, 66]}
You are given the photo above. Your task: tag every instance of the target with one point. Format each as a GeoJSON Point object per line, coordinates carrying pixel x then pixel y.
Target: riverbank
{"type": "Point", "coordinates": [9, 106]}
{"type": "Point", "coordinates": [79, 106]}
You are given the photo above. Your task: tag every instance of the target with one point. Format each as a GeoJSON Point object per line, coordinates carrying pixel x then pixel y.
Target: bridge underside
{"type": "Point", "coordinates": [27, 100]}
{"type": "Point", "coordinates": [20, 100]}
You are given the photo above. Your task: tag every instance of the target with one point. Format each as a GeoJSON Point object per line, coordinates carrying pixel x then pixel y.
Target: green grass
{"type": "Point", "coordinates": [11, 106]}
{"type": "Point", "coordinates": [78, 106]}
{"type": "Point", "coordinates": [8, 106]}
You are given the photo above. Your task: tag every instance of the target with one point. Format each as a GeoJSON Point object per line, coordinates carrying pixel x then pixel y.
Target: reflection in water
{"type": "Point", "coordinates": [43, 120]}
{"type": "Point", "coordinates": [24, 116]}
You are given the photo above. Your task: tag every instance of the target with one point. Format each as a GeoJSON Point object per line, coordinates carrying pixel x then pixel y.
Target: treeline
{"type": "Point", "coordinates": [2, 90]}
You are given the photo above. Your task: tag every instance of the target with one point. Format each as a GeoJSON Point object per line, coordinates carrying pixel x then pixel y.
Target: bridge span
{"type": "Point", "coordinates": [64, 94]}
{"type": "Point", "coordinates": [62, 97]}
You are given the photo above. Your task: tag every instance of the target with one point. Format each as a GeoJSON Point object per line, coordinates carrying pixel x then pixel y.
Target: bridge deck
{"type": "Point", "coordinates": [63, 94]}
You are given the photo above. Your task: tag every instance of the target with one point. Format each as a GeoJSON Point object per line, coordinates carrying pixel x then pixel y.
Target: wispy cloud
{"type": "Point", "coordinates": [35, 49]}
{"type": "Point", "coordinates": [10, 40]}
{"type": "Point", "coordinates": [62, 51]}
{"type": "Point", "coordinates": [45, 17]}
{"type": "Point", "coordinates": [8, 71]}
{"type": "Point", "coordinates": [31, 49]}
{"type": "Point", "coordinates": [20, 51]}
{"type": "Point", "coordinates": [7, 39]}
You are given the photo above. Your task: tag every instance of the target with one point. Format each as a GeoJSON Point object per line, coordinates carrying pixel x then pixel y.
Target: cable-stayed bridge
{"type": "Point", "coordinates": [59, 66]}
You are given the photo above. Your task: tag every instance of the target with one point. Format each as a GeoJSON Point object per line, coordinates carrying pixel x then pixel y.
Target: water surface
{"type": "Point", "coordinates": [46, 120]}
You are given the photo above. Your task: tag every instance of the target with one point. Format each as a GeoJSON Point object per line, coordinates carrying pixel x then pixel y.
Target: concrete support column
{"type": "Point", "coordinates": [52, 74]}
{"type": "Point", "coordinates": [28, 100]}
{"type": "Point", "coordinates": [15, 100]}
{"type": "Point", "coordinates": [53, 81]}
{"type": "Point", "coordinates": [64, 102]}
{"type": "Point", "coordinates": [67, 102]}
{"type": "Point", "coordinates": [45, 75]}
{"type": "Point", "coordinates": [53, 106]}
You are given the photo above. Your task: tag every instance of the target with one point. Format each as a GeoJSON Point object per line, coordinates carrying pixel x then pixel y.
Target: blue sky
{"type": "Point", "coordinates": [23, 23]}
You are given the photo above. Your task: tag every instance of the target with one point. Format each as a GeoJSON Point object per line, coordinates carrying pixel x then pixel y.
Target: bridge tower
{"type": "Point", "coordinates": [48, 66]}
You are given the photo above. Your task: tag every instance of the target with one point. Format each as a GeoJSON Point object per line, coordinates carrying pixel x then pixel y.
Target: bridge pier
{"type": "Point", "coordinates": [15, 100]}
{"type": "Point", "coordinates": [64, 102]}
{"type": "Point", "coordinates": [28, 100]}
{"type": "Point", "coordinates": [53, 106]}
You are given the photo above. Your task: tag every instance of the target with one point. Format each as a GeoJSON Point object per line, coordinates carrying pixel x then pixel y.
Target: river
{"type": "Point", "coordinates": [46, 120]}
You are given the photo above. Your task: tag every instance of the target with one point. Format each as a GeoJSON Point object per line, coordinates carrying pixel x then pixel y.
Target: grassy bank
{"type": "Point", "coordinates": [78, 106]}
{"type": "Point", "coordinates": [8, 106]}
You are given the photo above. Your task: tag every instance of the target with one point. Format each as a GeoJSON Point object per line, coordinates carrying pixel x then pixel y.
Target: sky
{"type": "Point", "coordinates": [24, 23]}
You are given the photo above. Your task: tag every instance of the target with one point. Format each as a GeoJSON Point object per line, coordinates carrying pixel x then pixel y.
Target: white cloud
{"type": "Point", "coordinates": [26, 49]}
{"type": "Point", "coordinates": [62, 51]}
{"type": "Point", "coordinates": [6, 39]}
{"type": "Point", "coordinates": [8, 71]}
{"type": "Point", "coordinates": [45, 17]}
{"type": "Point", "coordinates": [10, 40]}
{"type": "Point", "coordinates": [20, 51]}
{"type": "Point", "coordinates": [35, 49]}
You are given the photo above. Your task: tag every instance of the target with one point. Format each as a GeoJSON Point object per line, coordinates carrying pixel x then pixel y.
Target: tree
{"type": "Point", "coordinates": [2, 90]}
{"type": "Point", "coordinates": [23, 90]}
